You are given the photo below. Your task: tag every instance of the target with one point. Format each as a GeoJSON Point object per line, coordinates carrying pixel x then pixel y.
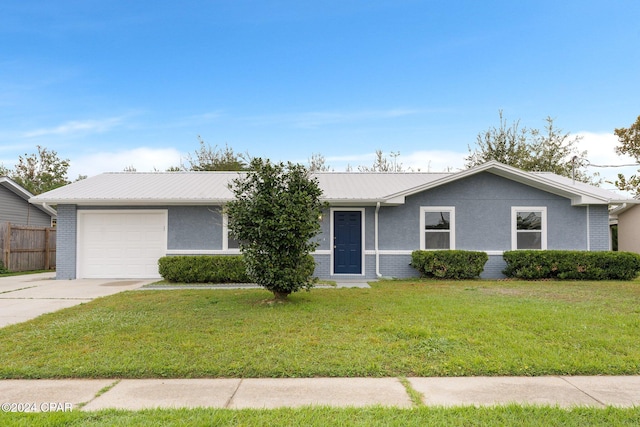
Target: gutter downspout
{"type": "Point", "coordinates": [378, 275]}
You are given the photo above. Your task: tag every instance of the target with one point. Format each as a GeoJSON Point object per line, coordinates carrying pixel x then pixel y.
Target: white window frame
{"type": "Point", "coordinates": [514, 225]}
{"type": "Point", "coordinates": [452, 225]}
{"type": "Point", "coordinates": [225, 236]}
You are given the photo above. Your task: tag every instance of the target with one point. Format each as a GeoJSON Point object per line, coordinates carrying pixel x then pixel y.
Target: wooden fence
{"type": "Point", "coordinates": [27, 248]}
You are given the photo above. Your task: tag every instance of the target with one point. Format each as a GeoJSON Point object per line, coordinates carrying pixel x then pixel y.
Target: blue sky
{"type": "Point", "coordinates": [112, 83]}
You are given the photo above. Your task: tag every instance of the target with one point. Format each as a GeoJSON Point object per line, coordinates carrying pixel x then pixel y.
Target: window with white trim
{"type": "Point", "coordinates": [437, 227]}
{"type": "Point", "coordinates": [528, 227]}
{"type": "Point", "coordinates": [228, 242]}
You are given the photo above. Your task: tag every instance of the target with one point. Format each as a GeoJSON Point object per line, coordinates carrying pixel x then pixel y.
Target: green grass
{"type": "Point", "coordinates": [511, 415]}
{"type": "Point", "coordinates": [400, 329]}
{"type": "Point", "coordinates": [23, 273]}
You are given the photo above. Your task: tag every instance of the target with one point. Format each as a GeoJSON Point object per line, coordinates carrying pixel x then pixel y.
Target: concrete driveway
{"type": "Point", "coordinates": [25, 297]}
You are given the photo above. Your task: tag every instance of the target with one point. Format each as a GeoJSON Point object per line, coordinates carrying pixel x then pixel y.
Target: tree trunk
{"type": "Point", "coordinates": [280, 296]}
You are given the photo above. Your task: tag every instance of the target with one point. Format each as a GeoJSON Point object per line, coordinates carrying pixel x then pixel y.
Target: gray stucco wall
{"type": "Point", "coordinates": [195, 228]}
{"type": "Point", "coordinates": [483, 215]}
{"type": "Point", "coordinates": [16, 210]}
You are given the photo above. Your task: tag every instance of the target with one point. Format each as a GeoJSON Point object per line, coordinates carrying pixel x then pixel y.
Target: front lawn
{"type": "Point", "coordinates": [397, 328]}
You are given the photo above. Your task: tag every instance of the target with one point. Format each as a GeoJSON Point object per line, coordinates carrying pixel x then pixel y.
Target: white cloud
{"type": "Point", "coordinates": [601, 152]}
{"type": "Point", "coordinates": [143, 159]}
{"type": "Point", "coordinates": [76, 126]}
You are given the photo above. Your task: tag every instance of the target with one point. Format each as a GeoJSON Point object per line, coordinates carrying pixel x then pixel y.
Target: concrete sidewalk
{"type": "Point", "coordinates": [89, 395]}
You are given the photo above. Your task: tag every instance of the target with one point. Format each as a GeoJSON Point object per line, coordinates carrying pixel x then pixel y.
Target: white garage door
{"type": "Point", "coordinates": [121, 244]}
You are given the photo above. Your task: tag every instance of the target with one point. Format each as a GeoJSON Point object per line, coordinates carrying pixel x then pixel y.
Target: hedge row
{"type": "Point", "coordinates": [203, 269]}
{"type": "Point", "coordinates": [449, 264]}
{"type": "Point", "coordinates": [574, 265]}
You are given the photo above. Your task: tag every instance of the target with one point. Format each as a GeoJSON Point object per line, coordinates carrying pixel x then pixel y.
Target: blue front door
{"type": "Point", "coordinates": [347, 242]}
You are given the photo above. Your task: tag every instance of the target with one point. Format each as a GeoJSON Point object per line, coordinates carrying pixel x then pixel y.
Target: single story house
{"type": "Point", "coordinates": [16, 209]}
{"type": "Point", "coordinates": [117, 225]}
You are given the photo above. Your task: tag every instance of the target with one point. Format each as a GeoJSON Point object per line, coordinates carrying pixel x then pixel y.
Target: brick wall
{"type": "Point", "coordinates": [599, 228]}
{"type": "Point", "coordinates": [66, 242]}
{"type": "Point", "coordinates": [493, 268]}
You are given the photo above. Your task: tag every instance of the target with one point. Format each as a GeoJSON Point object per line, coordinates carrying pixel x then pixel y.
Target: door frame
{"type": "Point", "coordinates": [362, 232]}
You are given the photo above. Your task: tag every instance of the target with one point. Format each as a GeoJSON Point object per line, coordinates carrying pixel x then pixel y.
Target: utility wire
{"type": "Point", "coordinates": [611, 166]}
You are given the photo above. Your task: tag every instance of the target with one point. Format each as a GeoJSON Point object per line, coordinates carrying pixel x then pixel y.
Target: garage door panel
{"type": "Point", "coordinates": [121, 244]}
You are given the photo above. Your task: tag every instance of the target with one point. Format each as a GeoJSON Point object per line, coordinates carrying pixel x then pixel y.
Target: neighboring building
{"type": "Point", "coordinates": [627, 217]}
{"type": "Point", "coordinates": [16, 209]}
{"type": "Point", "coordinates": [117, 225]}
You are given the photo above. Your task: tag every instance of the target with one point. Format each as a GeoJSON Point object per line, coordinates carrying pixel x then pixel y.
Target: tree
{"type": "Point", "coordinates": [40, 172]}
{"type": "Point", "coordinates": [208, 158]}
{"type": "Point", "coordinates": [505, 144]}
{"type": "Point", "coordinates": [629, 139]}
{"type": "Point", "coordinates": [549, 150]}
{"type": "Point", "coordinates": [317, 163]}
{"type": "Point", "coordinates": [553, 151]}
{"type": "Point", "coordinates": [275, 218]}
{"type": "Point", "coordinates": [382, 164]}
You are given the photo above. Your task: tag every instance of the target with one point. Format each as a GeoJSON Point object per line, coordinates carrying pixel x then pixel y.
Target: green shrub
{"type": "Point", "coordinates": [449, 264]}
{"type": "Point", "coordinates": [574, 265]}
{"type": "Point", "coordinates": [2, 269]}
{"type": "Point", "coordinates": [203, 269]}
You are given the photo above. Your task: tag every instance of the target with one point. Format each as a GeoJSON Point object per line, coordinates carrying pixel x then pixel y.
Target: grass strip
{"type": "Point", "coordinates": [528, 416]}
{"type": "Point", "coordinates": [415, 396]}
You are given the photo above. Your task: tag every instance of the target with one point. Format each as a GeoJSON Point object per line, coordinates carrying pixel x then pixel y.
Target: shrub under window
{"type": "Point", "coordinates": [449, 264]}
{"type": "Point", "coordinates": [575, 265]}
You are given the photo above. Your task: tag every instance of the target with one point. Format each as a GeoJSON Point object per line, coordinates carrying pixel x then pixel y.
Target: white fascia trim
{"type": "Point", "coordinates": [323, 252]}
{"type": "Point", "coordinates": [390, 252]}
{"type": "Point", "coordinates": [126, 202]}
{"type": "Point", "coordinates": [405, 252]}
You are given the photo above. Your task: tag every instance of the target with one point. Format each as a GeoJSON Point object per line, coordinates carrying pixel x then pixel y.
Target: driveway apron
{"type": "Point", "coordinates": [28, 296]}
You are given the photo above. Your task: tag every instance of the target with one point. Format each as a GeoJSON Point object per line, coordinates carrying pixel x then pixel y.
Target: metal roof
{"type": "Point", "coordinates": [171, 188]}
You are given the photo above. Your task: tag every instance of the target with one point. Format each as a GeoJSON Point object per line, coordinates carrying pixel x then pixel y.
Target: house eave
{"type": "Point", "coordinates": [577, 196]}
{"type": "Point", "coordinates": [130, 202]}
{"type": "Point", "coordinates": [352, 202]}
{"type": "Point", "coordinates": [622, 206]}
